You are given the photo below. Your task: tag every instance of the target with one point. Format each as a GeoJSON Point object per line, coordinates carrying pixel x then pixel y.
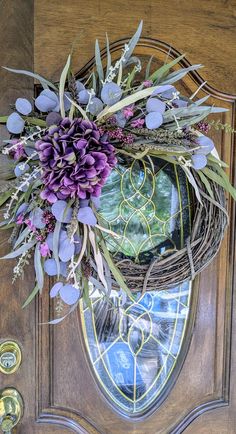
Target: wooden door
{"type": "Point", "coordinates": [57, 380]}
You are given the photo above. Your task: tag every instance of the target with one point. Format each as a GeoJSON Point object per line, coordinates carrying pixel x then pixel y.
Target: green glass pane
{"type": "Point", "coordinates": [148, 205]}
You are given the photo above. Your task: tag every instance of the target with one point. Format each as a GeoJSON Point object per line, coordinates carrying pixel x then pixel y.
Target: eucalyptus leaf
{"type": "Point", "coordinates": [221, 179]}
{"type": "Point", "coordinates": [116, 273]}
{"type": "Point", "coordinates": [98, 61]}
{"type": "Point", "coordinates": [191, 110]}
{"type": "Point", "coordinates": [5, 196]}
{"type": "Point", "coordinates": [62, 85]}
{"type": "Point", "coordinates": [18, 252]}
{"type": "Point", "coordinates": [24, 234]}
{"type": "Point", "coordinates": [55, 244]}
{"type": "Point", "coordinates": [192, 182]}
{"type": "Point", "coordinates": [31, 296]}
{"type": "Point", "coordinates": [201, 101]}
{"type": "Point", "coordinates": [161, 72]}
{"type": "Point", "coordinates": [38, 267]}
{"type": "Point", "coordinates": [86, 297]}
{"type": "Point", "coordinates": [82, 111]}
{"type": "Point", "coordinates": [187, 121]}
{"type": "Point", "coordinates": [35, 121]}
{"type": "Point", "coordinates": [148, 67]}
{"type": "Point", "coordinates": [120, 74]}
{"type": "Point", "coordinates": [98, 258]}
{"type": "Point", "coordinates": [108, 55]}
{"type": "Point", "coordinates": [206, 183]}
{"type": "Point", "coordinates": [8, 226]}
{"type": "Point", "coordinates": [213, 160]}
{"type": "Point", "coordinates": [130, 78]}
{"type": "Point", "coordinates": [178, 75]}
{"type": "Point", "coordinates": [3, 119]}
{"type": "Point", "coordinates": [133, 42]}
{"type": "Point", "coordinates": [94, 82]}
{"type": "Point", "coordinates": [43, 81]}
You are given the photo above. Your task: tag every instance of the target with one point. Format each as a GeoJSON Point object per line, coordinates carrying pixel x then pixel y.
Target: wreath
{"type": "Point", "coordinates": [71, 143]}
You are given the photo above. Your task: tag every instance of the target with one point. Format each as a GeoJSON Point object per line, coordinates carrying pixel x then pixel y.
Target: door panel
{"type": "Point", "coordinates": [60, 390]}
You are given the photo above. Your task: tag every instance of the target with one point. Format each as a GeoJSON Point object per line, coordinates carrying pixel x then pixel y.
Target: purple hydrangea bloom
{"type": "Point", "coordinates": [76, 161]}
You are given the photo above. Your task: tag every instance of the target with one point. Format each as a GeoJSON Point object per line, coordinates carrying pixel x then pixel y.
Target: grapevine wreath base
{"type": "Point", "coordinates": [209, 223]}
{"type": "Point", "coordinates": [66, 145]}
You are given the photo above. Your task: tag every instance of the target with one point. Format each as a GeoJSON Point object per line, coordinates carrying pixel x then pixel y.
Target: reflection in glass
{"type": "Point", "coordinates": [148, 205]}
{"type": "Point", "coordinates": [134, 345]}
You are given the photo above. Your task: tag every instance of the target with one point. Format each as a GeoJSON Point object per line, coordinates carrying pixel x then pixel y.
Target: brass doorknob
{"type": "Point", "coordinates": [11, 409]}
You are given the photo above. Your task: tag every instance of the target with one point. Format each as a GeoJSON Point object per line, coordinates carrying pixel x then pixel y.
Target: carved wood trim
{"type": "Point", "coordinates": [46, 412]}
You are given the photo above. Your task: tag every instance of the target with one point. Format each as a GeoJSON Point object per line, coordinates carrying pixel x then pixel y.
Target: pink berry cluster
{"type": "Point", "coordinates": [119, 134]}
{"type": "Point", "coordinates": [203, 126]}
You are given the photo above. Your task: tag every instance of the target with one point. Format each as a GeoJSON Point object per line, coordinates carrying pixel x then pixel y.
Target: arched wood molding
{"type": "Point", "coordinates": [47, 412]}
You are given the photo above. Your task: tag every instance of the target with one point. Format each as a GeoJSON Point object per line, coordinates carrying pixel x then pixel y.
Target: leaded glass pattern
{"type": "Point", "coordinates": [148, 204]}
{"type": "Point", "coordinates": [134, 345]}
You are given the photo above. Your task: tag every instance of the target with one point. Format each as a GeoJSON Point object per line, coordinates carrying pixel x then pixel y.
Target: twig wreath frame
{"type": "Point", "coordinates": [63, 147]}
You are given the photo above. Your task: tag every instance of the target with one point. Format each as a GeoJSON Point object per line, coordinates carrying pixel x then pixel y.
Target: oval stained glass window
{"type": "Point", "coordinates": [134, 343]}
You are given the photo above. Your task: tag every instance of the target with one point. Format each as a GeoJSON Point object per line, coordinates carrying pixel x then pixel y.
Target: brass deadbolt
{"type": "Point", "coordinates": [10, 357]}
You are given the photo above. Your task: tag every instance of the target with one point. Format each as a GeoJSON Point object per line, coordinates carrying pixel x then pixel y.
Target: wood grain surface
{"type": "Point", "coordinates": [55, 380]}
{"type": "Point", "coordinates": [204, 30]}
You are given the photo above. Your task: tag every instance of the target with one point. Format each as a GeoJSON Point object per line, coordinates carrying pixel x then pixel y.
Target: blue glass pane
{"type": "Point", "coordinates": [134, 347]}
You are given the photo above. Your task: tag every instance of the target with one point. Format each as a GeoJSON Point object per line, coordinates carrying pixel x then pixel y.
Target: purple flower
{"type": "Point", "coordinates": [20, 219]}
{"type": "Point", "coordinates": [128, 111]}
{"type": "Point", "coordinates": [44, 249]}
{"type": "Point", "coordinates": [147, 83]}
{"type": "Point", "coordinates": [18, 150]}
{"type": "Point", "coordinates": [137, 123]}
{"type": "Point", "coordinates": [76, 161]}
